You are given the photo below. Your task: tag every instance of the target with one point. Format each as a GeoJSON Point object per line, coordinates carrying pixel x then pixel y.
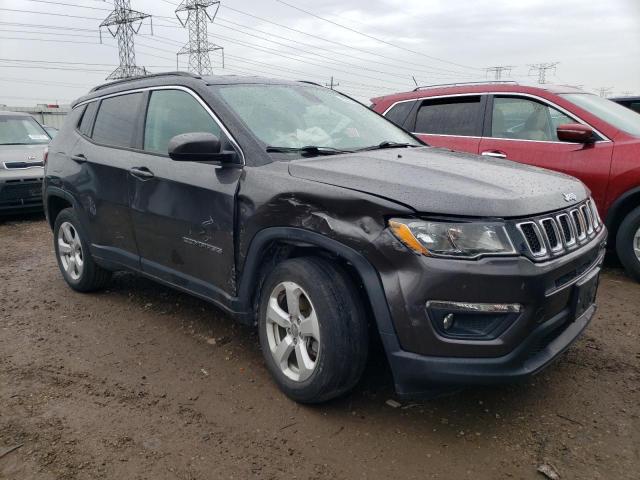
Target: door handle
{"type": "Point", "coordinates": [79, 158]}
{"type": "Point", "coordinates": [494, 154]}
{"type": "Point", "coordinates": [141, 172]}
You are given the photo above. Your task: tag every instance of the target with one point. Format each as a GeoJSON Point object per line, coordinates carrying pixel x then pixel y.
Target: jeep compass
{"type": "Point", "coordinates": [300, 211]}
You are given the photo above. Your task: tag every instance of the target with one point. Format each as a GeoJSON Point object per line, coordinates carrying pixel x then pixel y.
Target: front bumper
{"type": "Point", "coordinates": [422, 358]}
{"type": "Point", "coordinates": [21, 190]}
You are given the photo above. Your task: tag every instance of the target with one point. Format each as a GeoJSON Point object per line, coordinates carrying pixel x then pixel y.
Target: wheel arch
{"type": "Point", "coordinates": [56, 200]}
{"type": "Point", "coordinates": [272, 245]}
{"type": "Point", "coordinates": [624, 204]}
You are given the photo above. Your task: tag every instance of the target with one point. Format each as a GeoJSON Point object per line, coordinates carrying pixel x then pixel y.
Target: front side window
{"type": "Point", "coordinates": [525, 119]}
{"type": "Point", "coordinates": [171, 113]}
{"type": "Point", "coordinates": [614, 114]}
{"type": "Point", "coordinates": [450, 116]}
{"type": "Point", "coordinates": [116, 120]}
{"type": "Point", "coordinates": [296, 116]}
{"type": "Point", "coordinates": [21, 130]}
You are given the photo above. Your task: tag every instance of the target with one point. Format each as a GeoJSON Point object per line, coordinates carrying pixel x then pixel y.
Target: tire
{"type": "Point", "coordinates": [334, 361]}
{"type": "Point", "coordinates": [72, 253]}
{"type": "Point", "coordinates": [628, 243]}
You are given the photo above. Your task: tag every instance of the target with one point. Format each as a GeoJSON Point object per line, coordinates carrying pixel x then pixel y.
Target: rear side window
{"type": "Point", "coordinates": [450, 116]}
{"type": "Point", "coordinates": [116, 121]}
{"type": "Point", "coordinates": [399, 112]}
{"type": "Point", "coordinates": [87, 119]}
{"type": "Point", "coordinates": [171, 113]}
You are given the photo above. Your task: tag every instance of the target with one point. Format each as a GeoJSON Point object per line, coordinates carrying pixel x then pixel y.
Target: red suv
{"type": "Point", "coordinates": [560, 128]}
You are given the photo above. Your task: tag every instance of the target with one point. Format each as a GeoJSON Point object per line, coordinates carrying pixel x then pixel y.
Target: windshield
{"type": "Point", "coordinates": [614, 114]}
{"type": "Point", "coordinates": [297, 116]}
{"type": "Point", "coordinates": [19, 130]}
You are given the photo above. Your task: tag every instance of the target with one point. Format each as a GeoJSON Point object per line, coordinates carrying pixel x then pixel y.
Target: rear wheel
{"type": "Point", "coordinates": [313, 330]}
{"type": "Point", "coordinates": [74, 258]}
{"type": "Point", "coordinates": [628, 243]}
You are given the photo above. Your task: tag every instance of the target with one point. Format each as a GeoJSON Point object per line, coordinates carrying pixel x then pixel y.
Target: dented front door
{"type": "Point", "coordinates": [183, 216]}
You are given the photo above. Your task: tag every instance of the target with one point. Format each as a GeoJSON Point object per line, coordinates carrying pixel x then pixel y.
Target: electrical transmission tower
{"type": "Point", "coordinates": [332, 84]}
{"type": "Point", "coordinates": [123, 23]}
{"type": "Point", "coordinates": [199, 47]}
{"type": "Point", "coordinates": [499, 71]}
{"type": "Point", "coordinates": [605, 91]}
{"type": "Point", "coordinates": [542, 69]}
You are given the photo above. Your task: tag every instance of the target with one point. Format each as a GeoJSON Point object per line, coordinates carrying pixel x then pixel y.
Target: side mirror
{"type": "Point", "coordinates": [575, 132]}
{"type": "Point", "coordinates": [198, 147]}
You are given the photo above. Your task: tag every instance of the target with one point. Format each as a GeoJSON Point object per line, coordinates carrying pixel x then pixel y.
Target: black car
{"type": "Point", "coordinates": [630, 102]}
{"type": "Point", "coordinates": [301, 211]}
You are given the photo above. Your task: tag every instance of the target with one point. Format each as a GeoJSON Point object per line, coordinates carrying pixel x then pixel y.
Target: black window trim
{"type": "Point", "coordinates": [142, 113]}
{"type": "Point", "coordinates": [479, 127]}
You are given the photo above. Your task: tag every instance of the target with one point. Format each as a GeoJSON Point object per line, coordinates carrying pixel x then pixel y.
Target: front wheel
{"type": "Point", "coordinates": [628, 243]}
{"type": "Point", "coordinates": [313, 330]}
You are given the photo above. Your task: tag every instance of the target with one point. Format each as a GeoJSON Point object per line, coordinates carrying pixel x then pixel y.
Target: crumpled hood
{"type": "Point", "coordinates": [438, 181]}
{"type": "Point", "coordinates": [21, 153]}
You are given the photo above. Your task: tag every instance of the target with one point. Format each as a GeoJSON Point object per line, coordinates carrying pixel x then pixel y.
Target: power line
{"type": "Point", "coordinates": [374, 38]}
{"type": "Point", "coordinates": [324, 39]}
{"type": "Point", "coordinates": [68, 4]}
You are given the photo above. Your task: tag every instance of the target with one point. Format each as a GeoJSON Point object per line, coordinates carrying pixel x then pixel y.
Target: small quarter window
{"type": "Point", "coordinates": [87, 119]}
{"type": "Point", "coordinates": [399, 112]}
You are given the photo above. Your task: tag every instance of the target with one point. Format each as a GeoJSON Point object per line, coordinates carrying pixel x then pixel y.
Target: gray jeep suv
{"type": "Point", "coordinates": [22, 146]}
{"type": "Point", "coordinates": [302, 212]}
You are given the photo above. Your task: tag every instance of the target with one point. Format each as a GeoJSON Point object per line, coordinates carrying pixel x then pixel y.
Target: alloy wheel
{"type": "Point", "coordinates": [636, 244]}
{"type": "Point", "coordinates": [293, 331]}
{"type": "Point", "coordinates": [70, 250]}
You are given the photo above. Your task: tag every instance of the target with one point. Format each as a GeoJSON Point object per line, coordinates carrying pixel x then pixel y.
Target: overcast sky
{"type": "Point", "coordinates": [597, 44]}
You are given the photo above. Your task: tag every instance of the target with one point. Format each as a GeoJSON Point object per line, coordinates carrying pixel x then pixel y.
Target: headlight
{"type": "Point", "coordinates": [448, 239]}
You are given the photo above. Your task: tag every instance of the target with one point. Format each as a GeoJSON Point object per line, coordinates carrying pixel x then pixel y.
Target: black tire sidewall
{"type": "Point", "coordinates": [340, 320]}
{"type": "Point", "coordinates": [624, 243]}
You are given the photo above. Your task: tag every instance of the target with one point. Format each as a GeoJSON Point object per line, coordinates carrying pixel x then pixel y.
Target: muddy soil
{"type": "Point", "coordinates": [141, 382]}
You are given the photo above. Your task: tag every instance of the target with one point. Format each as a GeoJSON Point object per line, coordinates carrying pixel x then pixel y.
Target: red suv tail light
{"type": "Point", "coordinates": [45, 156]}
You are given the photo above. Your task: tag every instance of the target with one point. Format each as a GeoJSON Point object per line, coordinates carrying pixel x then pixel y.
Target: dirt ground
{"type": "Point", "coordinates": [142, 382]}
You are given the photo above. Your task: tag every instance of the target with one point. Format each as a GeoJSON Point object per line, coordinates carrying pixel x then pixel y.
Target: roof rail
{"type": "Point", "coordinates": [142, 77]}
{"type": "Point", "coordinates": [511, 82]}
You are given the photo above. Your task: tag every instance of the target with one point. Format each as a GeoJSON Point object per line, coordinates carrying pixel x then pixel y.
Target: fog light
{"type": "Point", "coordinates": [447, 323]}
{"type": "Point", "coordinates": [482, 321]}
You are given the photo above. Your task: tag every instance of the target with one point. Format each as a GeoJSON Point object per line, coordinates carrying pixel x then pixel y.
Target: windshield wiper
{"type": "Point", "coordinates": [387, 144]}
{"type": "Point", "coordinates": [309, 149]}
{"type": "Point", "coordinates": [17, 143]}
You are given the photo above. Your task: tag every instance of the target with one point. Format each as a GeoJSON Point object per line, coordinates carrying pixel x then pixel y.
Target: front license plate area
{"type": "Point", "coordinates": [584, 294]}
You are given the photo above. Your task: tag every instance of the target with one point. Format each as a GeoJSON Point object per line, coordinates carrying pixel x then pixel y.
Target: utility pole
{"type": "Point", "coordinates": [333, 84]}
{"type": "Point", "coordinates": [123, 24]}
{"type": "Point", "coordinates": [604, 91]}
{"type": "Point", "coordinates": [542, 69]}
{"type": "Point", "coordinates": [627, 93]}
{"type": "Point", "coordinates": [499, 71]}
{"type": "Point", "coordinates": [198, 14]}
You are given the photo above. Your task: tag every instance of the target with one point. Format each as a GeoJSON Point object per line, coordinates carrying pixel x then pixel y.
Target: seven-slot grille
{"type": "Point", "coordinates": [555, 234]}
